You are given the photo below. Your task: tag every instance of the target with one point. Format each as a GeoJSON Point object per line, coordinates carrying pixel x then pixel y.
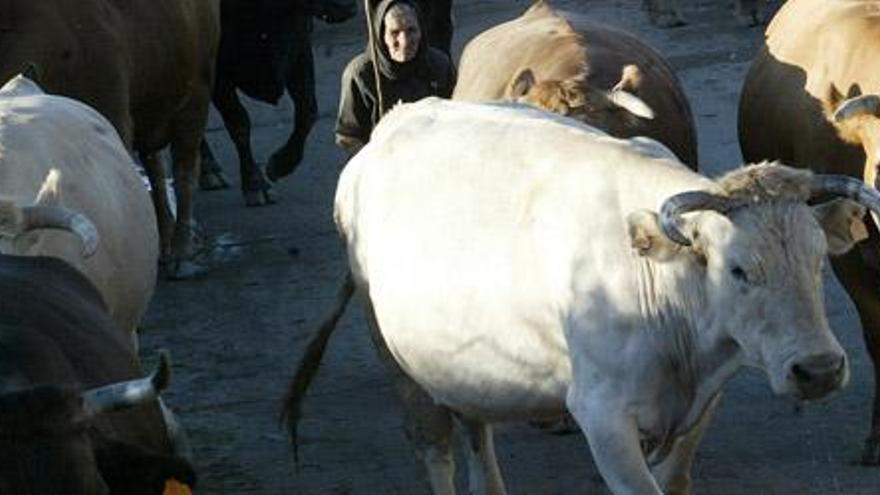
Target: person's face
{"type": "Point", "coordinates": [402, 35]}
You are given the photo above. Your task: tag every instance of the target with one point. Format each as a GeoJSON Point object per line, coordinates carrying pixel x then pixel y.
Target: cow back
{"type": "Point", "coordinates": [559, 45]}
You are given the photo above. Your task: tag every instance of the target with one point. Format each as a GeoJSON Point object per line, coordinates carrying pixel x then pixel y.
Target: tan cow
{"type": "Point", "coordinates": [598, 74]}
{"type": "Point", "coordinates": [95, 175]}
{"type": "Point", "coordinates": [812, 99]}
{"type": "Point", "coordinates": [146, 65]}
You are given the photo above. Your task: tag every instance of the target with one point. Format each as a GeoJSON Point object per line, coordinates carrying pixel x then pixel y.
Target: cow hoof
{"type": "Point", "coordinates": [213, 181]}
{"type": "Point", "coordinates": [183, 270]}
{"type": "Point", "coordinates": [278, 169]}
{"type": "Point", "coordinates": [871, 452]}
{"type": "Point", "coordinates": [263, 197]}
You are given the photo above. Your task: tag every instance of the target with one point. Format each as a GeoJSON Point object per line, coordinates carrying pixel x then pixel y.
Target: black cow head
{"type": "Point", "coordinates": [50, 443]}
{"type": "Point", "coordinates": [44, 444]}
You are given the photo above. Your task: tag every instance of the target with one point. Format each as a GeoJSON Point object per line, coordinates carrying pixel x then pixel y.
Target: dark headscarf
{"type": "Point", "coordinates": [388, 67]}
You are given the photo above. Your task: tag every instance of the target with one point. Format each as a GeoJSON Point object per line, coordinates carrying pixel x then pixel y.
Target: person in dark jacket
{"type": "Point", "coordinates": [408, 70]}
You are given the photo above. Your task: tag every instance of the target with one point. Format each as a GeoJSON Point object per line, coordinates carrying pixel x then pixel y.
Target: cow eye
{"type": "Point", "coordinates": [738, 273]}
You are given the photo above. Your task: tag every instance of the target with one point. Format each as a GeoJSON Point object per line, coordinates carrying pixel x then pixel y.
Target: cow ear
{"type": "Point", "coordinates": [843, 221]}
{"type": "Point", "coordinates": [630, 79]}
{"type": "Point", "coordinates": [646, 237]}
{"type": "Point", "coordinates": [521, 84]}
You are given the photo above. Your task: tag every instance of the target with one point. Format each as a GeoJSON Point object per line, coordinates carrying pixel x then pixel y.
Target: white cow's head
{"type": "Point", "coordinates": [757, 248]}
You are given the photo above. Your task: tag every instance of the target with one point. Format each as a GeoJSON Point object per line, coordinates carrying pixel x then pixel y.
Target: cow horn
{"type": "Point", "coordinates": [631, 103]}
{"type": "Point", "coordinates": [679, 204]}
{"type": "Point", "coordinates": [860, 105]}
{"type": "Point", "coordinates": [123, 395]}
{"type": "Point", "coordinates": [58, 217]}
{"type": "Point", "coordinates": [847, 187]}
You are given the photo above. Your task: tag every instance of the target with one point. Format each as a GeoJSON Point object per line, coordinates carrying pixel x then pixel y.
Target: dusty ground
{"type": "Point", "coordinates": [236, 334]}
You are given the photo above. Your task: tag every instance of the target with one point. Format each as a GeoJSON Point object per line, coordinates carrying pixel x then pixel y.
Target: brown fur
{"type": "Point", "coordinates": [766, 181]}
{"type": "Point", "coordinates": [816, 50]}
{"type": "Point", "coordinates": [574, 62]}
{"type": "Point", "coordinates": [146, 65]}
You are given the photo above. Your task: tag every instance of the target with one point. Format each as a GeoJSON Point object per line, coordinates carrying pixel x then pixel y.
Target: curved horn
{"type": "Point", "coordinates": [631, 103]}
{"type": "Point", "coordinates": [848, 187]}
{"type": "Point", "coordinates": [685, 202]}
{"type": "Point", "coordinates": [122, 395]}
{"type": "Point", "coordinates": [58, 217]}
{"type": "Point", "coordinates": [860, 105]}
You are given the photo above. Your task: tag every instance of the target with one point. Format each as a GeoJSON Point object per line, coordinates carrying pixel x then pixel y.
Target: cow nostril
{"type": "Point", "coordinates": [800, 374]}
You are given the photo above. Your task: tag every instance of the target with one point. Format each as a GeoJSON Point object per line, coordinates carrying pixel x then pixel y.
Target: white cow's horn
{"type": "Point", "coordinates": [860, 105]}
{"type": "Point", "coordinates": [847, 187]}
{"type": "Point", "coordinates": [122, 395]}
{"type": "Point", "coordinates": [58, 217]}
{"type": "Point", "coordinates": [679, 204]}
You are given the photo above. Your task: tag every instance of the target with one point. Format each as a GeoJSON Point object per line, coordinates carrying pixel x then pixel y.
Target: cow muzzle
{"type": "Point", "coordinates": [818, 375]}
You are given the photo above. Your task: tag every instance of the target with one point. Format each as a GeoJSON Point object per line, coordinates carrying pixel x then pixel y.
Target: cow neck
{"type": "Point", "coordinates": [672, 297]}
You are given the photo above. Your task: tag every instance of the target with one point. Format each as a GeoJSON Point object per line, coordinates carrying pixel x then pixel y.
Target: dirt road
{"type": "Point", "coordinates": [236, 334]}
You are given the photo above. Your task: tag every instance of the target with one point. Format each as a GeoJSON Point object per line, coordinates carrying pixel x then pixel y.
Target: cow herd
{"type": "Point", "coordinates": [541, 244]}
{"type": "Point", "coordinates": [514, 265]}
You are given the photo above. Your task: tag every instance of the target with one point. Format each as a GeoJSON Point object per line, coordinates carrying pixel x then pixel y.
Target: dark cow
{"type": "Point", "coordinates": [75, 417]}
{"type": "Point", "coordinates": [265, 50]}
{"type": "Point", "coordinates": [146, 65]}
{"type": "Point", "coordinates": [812, 98]}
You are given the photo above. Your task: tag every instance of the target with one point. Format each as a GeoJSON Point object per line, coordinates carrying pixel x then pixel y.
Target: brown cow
{"type": "Point", "coordinates": [147, 65]}
{"type": "Point", "coordinates": [598, 74]}
{"type": "Point", "coordinates": [812, 98]}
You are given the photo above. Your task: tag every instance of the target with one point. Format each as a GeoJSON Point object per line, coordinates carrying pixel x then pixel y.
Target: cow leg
{"type": "Point", "coordinates": [211, 177]}
{"type": "Point", "coordinates": [164, 214]}
{"type": "Point", "coordinates": [674, 473]}
{"type": "Point", "coordinates": [187, 130]}
{"type": "Point", "coordinates": [484, 476]}
{"type": "Point", "coordinates": [664, 13]}
{"type": "Point", "coordinates": [428, 425]}
{"type": "Point", "coordinates": [747, 12]}
{"type": "Point", "coordinates": [862, 281]}
{"type": "Point", "coordinates": [613, 438]}
{"type": "Point", "coordinates": [301, 86]}
{"type": "Point", "coordinates": [255, 187]}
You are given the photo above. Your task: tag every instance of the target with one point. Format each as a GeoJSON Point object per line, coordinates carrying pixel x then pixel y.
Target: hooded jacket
{"type": "Point", "coordinates": [429, 73]}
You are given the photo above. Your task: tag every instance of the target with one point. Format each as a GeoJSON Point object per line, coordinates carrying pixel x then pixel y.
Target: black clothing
{"type": "Point", "coordinates": [429, 73]}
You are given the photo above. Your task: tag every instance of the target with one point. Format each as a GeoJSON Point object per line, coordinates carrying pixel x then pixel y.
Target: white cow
{"type": "Point", "coordinates": [516, 263]}
{"type": "Point", "coordinates": [95, 176]}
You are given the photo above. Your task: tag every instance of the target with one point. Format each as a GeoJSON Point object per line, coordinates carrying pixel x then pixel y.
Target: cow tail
{"type": "Point", "coordinates": [296, 391]}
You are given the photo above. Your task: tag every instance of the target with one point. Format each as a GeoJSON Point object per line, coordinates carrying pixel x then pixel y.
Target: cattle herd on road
{"type": "Point", "coordinates": [543, 243]}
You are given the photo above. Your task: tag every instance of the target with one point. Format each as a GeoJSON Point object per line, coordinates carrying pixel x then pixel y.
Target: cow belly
{"type": "Point", "coordinates": [485, 366]}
